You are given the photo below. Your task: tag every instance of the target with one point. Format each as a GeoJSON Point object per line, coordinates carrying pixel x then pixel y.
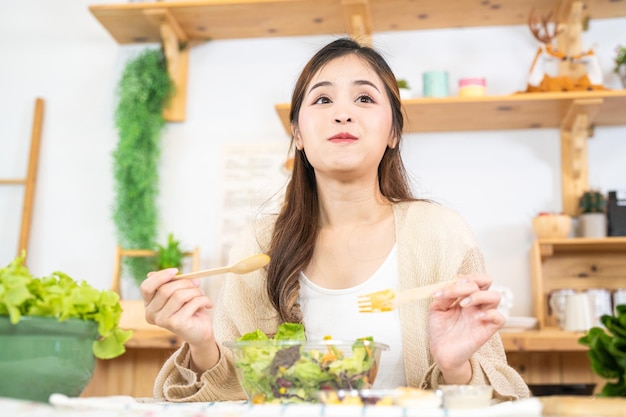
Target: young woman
{"type": "Point", "coordinates": [349, 225]}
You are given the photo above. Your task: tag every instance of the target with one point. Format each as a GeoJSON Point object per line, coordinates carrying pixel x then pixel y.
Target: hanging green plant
{"type": "Point", "coordinates": [143, 92]}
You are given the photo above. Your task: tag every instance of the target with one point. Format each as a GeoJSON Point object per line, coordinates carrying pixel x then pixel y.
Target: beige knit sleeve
{"type": "Point", "coordinates": [241, 307]}
{"type": "Point", "coordinates": [489, 363]}
{"type": "Point", "coordinates": [489, 366]}
{"type": "Point", "coordinates": [177, 383]}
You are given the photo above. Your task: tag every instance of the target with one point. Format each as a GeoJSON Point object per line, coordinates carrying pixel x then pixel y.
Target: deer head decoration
{"type": "Point", "coordinates": [562, 65]}
{"type": "Point", "coordinates": [544, 28]}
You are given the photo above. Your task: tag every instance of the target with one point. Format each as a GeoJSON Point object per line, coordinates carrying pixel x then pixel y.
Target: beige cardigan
{"type": "Point", "coordinates": [433, 242]}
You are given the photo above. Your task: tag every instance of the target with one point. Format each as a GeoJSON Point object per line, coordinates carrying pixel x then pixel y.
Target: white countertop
{"type": "Point", "coordinates": [122, 406]}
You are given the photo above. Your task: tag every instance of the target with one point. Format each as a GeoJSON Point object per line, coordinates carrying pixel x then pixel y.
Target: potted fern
{"type": "Point", "coordinates": [405, 89]}
{"type": "Point", "coordinates": [52, 329]}
{"type": "Point", "coordinates": [170, 255]}
{"type": "Point", "coordinates": [592, 205]}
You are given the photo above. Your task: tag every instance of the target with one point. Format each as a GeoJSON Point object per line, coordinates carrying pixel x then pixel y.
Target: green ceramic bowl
{"type": "Point", "coordinates": [40, 356]}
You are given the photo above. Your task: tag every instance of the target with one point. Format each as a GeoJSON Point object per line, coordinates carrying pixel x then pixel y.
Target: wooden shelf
{"type": "Point", "coordinates": [551, 247]}
{"type": "Point", "coordinates": [551, 339]}
{"type": "Point", "coordinates": [547, 340]}
{"type": "Point", "coordinates": [231, 19]}
{"type": "Point", "coordinates": [516, 111]}
{"type": "Point", "coordinates": [178, 25]}
{"type": "Point", "coordinates": [520, 111]}
{"type": "Point", "coordinates": [577, 263]}
{"type": "Point", "coordinates": [153, 339]}
{"type": "Point", "coordinates": [550, 357]}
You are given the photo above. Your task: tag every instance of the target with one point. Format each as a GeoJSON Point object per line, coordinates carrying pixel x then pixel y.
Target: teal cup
{"type": "Point", "coordinates": [435, 84]}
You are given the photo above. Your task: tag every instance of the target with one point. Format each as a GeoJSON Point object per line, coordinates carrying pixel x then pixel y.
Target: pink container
{"type": "Point", "coordinates": [472, 87]}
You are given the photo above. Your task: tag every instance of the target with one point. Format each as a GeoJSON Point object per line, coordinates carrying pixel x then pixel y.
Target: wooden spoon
{"type": "Point", "coordinates": [249, 264]}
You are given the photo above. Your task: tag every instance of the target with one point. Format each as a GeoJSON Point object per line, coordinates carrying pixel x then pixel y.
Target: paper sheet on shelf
{"type": "Point", "coordinates": [253, 180]}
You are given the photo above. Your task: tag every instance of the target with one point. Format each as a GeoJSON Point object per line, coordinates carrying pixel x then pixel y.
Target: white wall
{"type": "Point", "coordinates": [58, 51]}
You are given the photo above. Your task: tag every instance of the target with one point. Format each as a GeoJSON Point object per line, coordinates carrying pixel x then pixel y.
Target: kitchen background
{"type": "Point", "coordinates": [498, 180]}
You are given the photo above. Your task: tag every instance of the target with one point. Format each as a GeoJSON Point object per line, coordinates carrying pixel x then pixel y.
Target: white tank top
{"type": "Point", "coordinates": [334, 313]}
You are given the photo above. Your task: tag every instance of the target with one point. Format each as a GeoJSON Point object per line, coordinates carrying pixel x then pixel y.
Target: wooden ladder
{"type": "Point", "coordinates": [29, 181]}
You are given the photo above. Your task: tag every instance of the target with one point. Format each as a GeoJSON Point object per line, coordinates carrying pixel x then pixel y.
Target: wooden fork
{"type": "Point", "coordinates": [389, 299]}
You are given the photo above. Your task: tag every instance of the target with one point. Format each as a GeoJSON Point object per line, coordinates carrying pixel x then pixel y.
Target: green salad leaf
{"type": "Point", "coordinates": [256, 335]}
{"type": "Point", "coordinates": [290, 331]}
{"type": "Point", "coordinates": [284, 369]}
{"type": "Point", "coordinates": [60, 296]}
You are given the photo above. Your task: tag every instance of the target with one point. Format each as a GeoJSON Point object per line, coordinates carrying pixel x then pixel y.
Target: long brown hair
{"type": "Point", "coordinates": [298, 222]}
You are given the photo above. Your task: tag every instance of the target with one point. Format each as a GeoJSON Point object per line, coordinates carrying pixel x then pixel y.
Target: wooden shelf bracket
{"type": "Point", "coordinates": [575, 130]}
{"type": "Point", "coordinates": [176, 49]}
{"type": "Point", "coordinates": [358, 18]}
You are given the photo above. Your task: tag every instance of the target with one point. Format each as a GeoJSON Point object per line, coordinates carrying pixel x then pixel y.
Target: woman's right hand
{"type": "Point", "coordinates": [181, 307]}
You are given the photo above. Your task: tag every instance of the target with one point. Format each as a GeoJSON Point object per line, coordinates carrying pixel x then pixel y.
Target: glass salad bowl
{"type": "Point", "coordinates": [287, 371]}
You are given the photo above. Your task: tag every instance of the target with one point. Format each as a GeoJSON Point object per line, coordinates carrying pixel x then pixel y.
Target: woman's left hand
{"type": "Point", "coordinates": [462, 317]}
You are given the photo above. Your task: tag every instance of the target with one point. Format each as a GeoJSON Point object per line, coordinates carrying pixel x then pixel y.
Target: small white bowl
{"type": "Point", "coordinates": [466, 396]}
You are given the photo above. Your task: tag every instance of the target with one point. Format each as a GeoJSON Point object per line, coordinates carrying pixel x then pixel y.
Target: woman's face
{"type": "Point", "coordinates": [345, 122]}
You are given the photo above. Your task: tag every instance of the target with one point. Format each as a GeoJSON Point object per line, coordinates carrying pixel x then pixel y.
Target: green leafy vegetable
{"type": "Point", "coordinates": [286, 368]}
{"type": "Point", "coordinates": [58, 295]}
{"type": "Point", "coordinates": [607, 352]}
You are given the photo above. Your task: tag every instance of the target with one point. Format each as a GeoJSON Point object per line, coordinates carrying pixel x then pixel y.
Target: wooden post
{"type": "Point", "coordinates": [575, 130]}
{"type": "Point", "coordinates": [176, 49]}
{"type": "Point", "coordinates": [358, 17]}
{"type": "Point", "coordinates": [569, 40]}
